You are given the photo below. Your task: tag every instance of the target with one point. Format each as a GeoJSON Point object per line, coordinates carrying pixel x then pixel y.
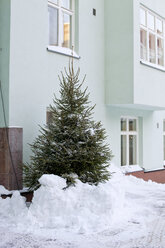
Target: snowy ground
{"type": "Point", "coordinates": [124, 213]}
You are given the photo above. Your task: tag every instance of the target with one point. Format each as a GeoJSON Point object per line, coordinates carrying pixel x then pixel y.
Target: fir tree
{"type": "Point", "coordinates": [72, 142]}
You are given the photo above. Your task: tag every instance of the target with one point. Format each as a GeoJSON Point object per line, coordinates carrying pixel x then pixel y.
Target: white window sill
{"type": "Point", "coordinates": [154, 170]}
{"type": "Point", "coordinates": [64, 51]}
{"type": "Point", "coordinates": [158, 67]}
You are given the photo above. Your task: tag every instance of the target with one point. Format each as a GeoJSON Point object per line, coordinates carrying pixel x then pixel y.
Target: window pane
{"type": "Point", "coordinates": [132, 125]}
{"type": "Point", "coordinates": [132, 149]}
{"type": "Point", "coordinates": [160, 48]}
{"type": "Point", "coordinates": [163, 126]}
{"type": "Point", "coordinates": [143, 17]}
{"type": "Point", "coordinates": [152, 52]}
{"type": "Point", "coordinates": [53, 26]}
{"type": "Point", "coordinates": [164, 145]}
{"type": "Point", "coordinates": [143, 44]}
{"type": "Point", "coordinates": [123, 125]}
{"type": "Point", "coordinates": [123, 149]}
{"type": "Point", "coordinates": [150, 21]}
{"type": "Point", "coordinates": [159, 26]}
{"type": "Point", "coordinates": [66, 30]}
{"type": "Point", "coordinates": [66, 4]}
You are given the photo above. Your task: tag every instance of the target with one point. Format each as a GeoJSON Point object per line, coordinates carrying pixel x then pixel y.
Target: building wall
{"type": "Point", "coordinates": [128, 82]}
{"type": "Point", "coordinates": [4, 58]}
{"type": "Point", "coordinates": [119, 51]}
{"type": "Point", "coordinates": [149, 86]}
{"type": "Point", "coordinates": [150, 136]}
{"type": "Point", "coordinates": [133, 89]}
{"type": "Point", "coordinates": [34, 71]}
{"type": "Point", "coordinates": [109, 61]}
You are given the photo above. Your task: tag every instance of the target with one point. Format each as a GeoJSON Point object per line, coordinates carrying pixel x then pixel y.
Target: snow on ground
{"type": "Point", "coordinates": [125, 212]}
{"type": "Point", "coordinates": [131, 168]}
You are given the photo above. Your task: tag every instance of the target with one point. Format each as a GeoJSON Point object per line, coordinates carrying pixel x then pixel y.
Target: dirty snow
{"type": "Point", "coordinates": [125, 212]}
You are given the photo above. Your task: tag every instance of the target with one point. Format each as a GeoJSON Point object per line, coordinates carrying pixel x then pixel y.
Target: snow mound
{"type": "Point", "coordinates": [131, 168]}
{"type": "Point", "coordinates": [13, 208]}
{"type": "Point", "coordinates": [3, 190]}
{"type": "Point", "coordinates": [52, 181]}
{"type": "Point", "coordinates": [81, 208]}
{"type": "Point", "coordinates": [84, 208]}
{"type": "Point", "coordinates": [115, 169]}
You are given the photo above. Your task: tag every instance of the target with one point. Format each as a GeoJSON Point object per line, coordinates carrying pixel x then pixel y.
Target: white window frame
{"type": "Point", "coordinates": [163, 142]}
{"type": "Point", "coordinates": [127, 133]}
{"type": "Point", "coordinates": [146, 28]}
{"type": "Point", "coordinates": [59, 48]}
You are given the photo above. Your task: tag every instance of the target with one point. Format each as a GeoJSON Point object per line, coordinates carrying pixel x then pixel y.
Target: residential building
{"type": "Point", "coordinates": [119, 45]}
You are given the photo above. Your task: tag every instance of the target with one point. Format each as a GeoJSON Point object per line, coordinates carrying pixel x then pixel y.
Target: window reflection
{"type": "Point", "coordinates": [65, 4]}
{"type": "Point", "coordinates": [152, 50]}
{"type": "Point", "coordinates": [132, 124]}
{"type": "Point", "coordinates": [66, 30]}
{"type": "Point", "coordinates": [159, 26]}
{"type": "Point", "coordinates": [142, 16]}
{"type": "Point", "coordinates": [151, 21]}
{"type": "Point", "coordinates": [53, 26]}
{"type": "Point", "coordinates": [123, 150]}
{"type": "Point", "coordinates": [160, 50]}
{"type": "Point", "coordinates": [132, 149]}
{"type": "Point", "coordinates": [143, 44]}
{"type": "Point", "coordinates": [123, 124]}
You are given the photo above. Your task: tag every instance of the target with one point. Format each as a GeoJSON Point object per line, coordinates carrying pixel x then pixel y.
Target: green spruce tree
{"type": "Point", "coordinates": [72, 142]}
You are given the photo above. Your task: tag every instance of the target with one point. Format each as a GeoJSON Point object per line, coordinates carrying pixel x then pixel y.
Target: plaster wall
{"type": "Point", "coordinates": [119, 51]}
{"type": "Point", "coordinates": [149, 83]}
{"type": "Point", "coordinates": [150, 136]}
{"type": "Point", "coordinates": [109, 68]}
{"type": "Point", "coordinates": [34, 70]}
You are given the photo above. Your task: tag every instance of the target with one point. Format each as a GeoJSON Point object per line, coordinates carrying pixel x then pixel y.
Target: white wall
{"type": "Point", "coordinates": [149, 86]}
{"type": "Point", "coordinates": [34, 78]}
{"type": "Point", "coordinates": [150, 136]}
{"type": "Point", "coordinates": [34, 71]}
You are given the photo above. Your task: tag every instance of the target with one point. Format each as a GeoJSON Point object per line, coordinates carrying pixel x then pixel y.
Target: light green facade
{"type": "Point", "coordinates": [34, 70]}
{"type": "Point", "coordinates": [4, 58]}
{"type": "Point", "coordinates": [127, 80]}
{"type": "Point", "coordinates": [149, 86]}
{"type": "Point", "coordinates": [109, 48]}
{"type": "Point", "coordinates": [119, 51]}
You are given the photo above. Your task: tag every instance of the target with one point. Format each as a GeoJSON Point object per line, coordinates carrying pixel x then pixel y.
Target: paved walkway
{"type": "Point", "coordinates": [155, 237]}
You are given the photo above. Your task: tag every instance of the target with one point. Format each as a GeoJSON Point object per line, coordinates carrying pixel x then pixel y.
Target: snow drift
{"type": "Point", "coordinates": [83, 208]}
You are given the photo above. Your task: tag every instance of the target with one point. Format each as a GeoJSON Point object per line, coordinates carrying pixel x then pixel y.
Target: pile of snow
{"type": "Point", "coordinates": [83, 208]}
{"type": "Point", "coordinates": [131, 168]}
{"type": "Point", "coordinates": [13, 208]}
{"type": "Point", "coordinates": [4, 191]}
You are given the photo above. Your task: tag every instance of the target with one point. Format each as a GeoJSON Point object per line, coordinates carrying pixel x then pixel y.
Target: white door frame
{"type": "Point", "coordinates": [127, 133]}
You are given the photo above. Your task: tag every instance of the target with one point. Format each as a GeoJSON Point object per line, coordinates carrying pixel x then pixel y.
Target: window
{"type": "Point", "coordinates": [151, 37]}
{"type": "Point", "coordinates": [129, 141]}
{"type": "Point", "coordinates": [61, 23]}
